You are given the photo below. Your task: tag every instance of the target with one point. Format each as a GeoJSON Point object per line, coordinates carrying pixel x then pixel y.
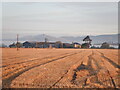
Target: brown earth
{"type": "Point", "coordinates": [60, 68]}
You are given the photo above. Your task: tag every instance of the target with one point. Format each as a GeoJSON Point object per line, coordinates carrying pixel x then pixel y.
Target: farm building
{"type": "Point", "coordinates": [28, 44]}
{"type": "Point", "coordinates": [12, 45]}
{"type": "Point", "coordinates": [87, 42]}
{"type": "Point", "coordinates": [105, 45]}
{"type": "Point", "coordinates": [76, 45]}
{"type": "Point", "coordinates": [67, 45]}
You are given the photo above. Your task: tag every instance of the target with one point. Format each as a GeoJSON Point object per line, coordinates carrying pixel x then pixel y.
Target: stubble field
{"type": "Point", "coordinates": [60, 68]}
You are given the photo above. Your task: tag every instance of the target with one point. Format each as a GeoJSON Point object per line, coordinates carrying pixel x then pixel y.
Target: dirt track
{"type": "Point", "coordinates": [60, 68]}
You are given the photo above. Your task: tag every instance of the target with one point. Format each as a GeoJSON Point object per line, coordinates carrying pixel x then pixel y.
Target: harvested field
{"type": "Point", "coordinates": [60, 68]}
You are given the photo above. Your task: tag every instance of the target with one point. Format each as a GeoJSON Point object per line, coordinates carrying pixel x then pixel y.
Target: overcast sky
{"type": "Point", "coordinates": [59, 19]}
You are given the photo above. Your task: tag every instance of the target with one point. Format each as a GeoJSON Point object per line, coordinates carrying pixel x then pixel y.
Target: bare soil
{"type": "Point", "coordinates": [60, 68]}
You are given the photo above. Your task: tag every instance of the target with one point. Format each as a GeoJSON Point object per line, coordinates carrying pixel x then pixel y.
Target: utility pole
{"type": "Point", "coordinates": [17, 42]}
{"type": "Point", "coordinates": [46, 40]}
{"type": "Point", "coordinates": [36, 45]}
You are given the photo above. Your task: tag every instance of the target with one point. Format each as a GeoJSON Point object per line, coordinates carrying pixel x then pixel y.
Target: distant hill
{"type": "Point", "coordinates": [95, 39]}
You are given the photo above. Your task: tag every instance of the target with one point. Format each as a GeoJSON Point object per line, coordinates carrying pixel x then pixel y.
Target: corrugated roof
{"type": "Point", "coordinates": [87, 38]}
